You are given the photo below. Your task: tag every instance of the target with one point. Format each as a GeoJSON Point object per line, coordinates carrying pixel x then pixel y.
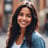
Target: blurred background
{"type": "Point", "coordinates": [7, 9]}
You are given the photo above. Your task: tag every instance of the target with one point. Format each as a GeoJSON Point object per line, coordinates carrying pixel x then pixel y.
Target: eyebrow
{"type": "Point", "coordinates": [28, 14]}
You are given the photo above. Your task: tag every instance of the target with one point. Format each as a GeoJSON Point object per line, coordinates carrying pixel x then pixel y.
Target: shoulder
{"type": "Point", "coordinates": [36, 34]}
{"type": "Point", "coordinates": [37, 40]}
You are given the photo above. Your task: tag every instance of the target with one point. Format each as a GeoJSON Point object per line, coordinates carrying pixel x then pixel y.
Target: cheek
{"type": "Point", "coordinates": [18, 18]}
{"type": "Point", "coordinates": [30, 19]}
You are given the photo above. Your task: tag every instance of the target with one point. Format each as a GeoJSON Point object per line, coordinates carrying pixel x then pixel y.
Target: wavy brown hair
{"type": "Point", "coordinates": [14, 29]}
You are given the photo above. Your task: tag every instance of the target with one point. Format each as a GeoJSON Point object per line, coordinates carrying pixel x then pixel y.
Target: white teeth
{"type": "Point", "coordinates": [23, 22]}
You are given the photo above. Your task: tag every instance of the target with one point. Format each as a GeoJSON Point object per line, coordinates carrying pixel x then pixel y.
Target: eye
{"type": "Point", "coordinates": [29, 15]}
{"type": "Point", "coordinates": [21, 14]}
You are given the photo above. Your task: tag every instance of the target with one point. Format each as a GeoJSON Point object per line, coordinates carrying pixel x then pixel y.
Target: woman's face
{"type": "Point", "coordinates": [24, 18]}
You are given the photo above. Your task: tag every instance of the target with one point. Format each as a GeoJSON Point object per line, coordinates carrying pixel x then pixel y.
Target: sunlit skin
{"type": "Point", "coordinates": [24, 19]}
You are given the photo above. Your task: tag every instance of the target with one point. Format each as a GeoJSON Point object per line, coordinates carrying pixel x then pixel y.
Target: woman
{"type": "Point", "coordinates": [22, 31]}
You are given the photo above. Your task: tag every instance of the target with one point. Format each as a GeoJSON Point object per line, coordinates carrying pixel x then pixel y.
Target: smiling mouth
{"type": "Point", "coordinates": [23, 22]}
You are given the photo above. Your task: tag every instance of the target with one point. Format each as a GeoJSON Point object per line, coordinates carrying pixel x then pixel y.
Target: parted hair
{"type": "Point", "coordinates": [14, 30]}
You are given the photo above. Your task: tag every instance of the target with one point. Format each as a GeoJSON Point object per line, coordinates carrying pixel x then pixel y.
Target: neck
{"type": "Point", "coordinates": [22, 30]}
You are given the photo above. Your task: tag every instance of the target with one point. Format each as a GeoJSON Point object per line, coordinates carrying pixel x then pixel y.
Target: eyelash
{"type": "Point", "coordinates": [21, 14]}
{"type": "Point", "coordinates": [27, 15]}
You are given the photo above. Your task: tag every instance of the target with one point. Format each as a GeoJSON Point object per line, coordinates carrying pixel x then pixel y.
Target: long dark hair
{"type": "Point", "coordinates": [14, 29]}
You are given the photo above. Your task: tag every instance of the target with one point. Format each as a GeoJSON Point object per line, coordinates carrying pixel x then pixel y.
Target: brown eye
{"type": "Point", "coordinates": [29, 15]}
{"type": "Point", "coordinates": [21, 14]}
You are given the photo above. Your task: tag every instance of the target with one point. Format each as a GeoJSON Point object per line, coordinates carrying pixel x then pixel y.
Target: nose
{"type": "Point", "coordinates": [24, 17]}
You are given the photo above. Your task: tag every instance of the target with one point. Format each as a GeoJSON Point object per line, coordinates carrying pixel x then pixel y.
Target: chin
{"type": "Point", "coordinates": [23, 26]}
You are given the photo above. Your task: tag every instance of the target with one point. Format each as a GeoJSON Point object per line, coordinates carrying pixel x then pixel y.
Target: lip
{"type": "Point", "coordinates": [23, 23]}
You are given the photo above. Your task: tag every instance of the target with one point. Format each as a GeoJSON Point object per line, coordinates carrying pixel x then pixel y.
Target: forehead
{"type": "Point", "coordinates": [25, 10]}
